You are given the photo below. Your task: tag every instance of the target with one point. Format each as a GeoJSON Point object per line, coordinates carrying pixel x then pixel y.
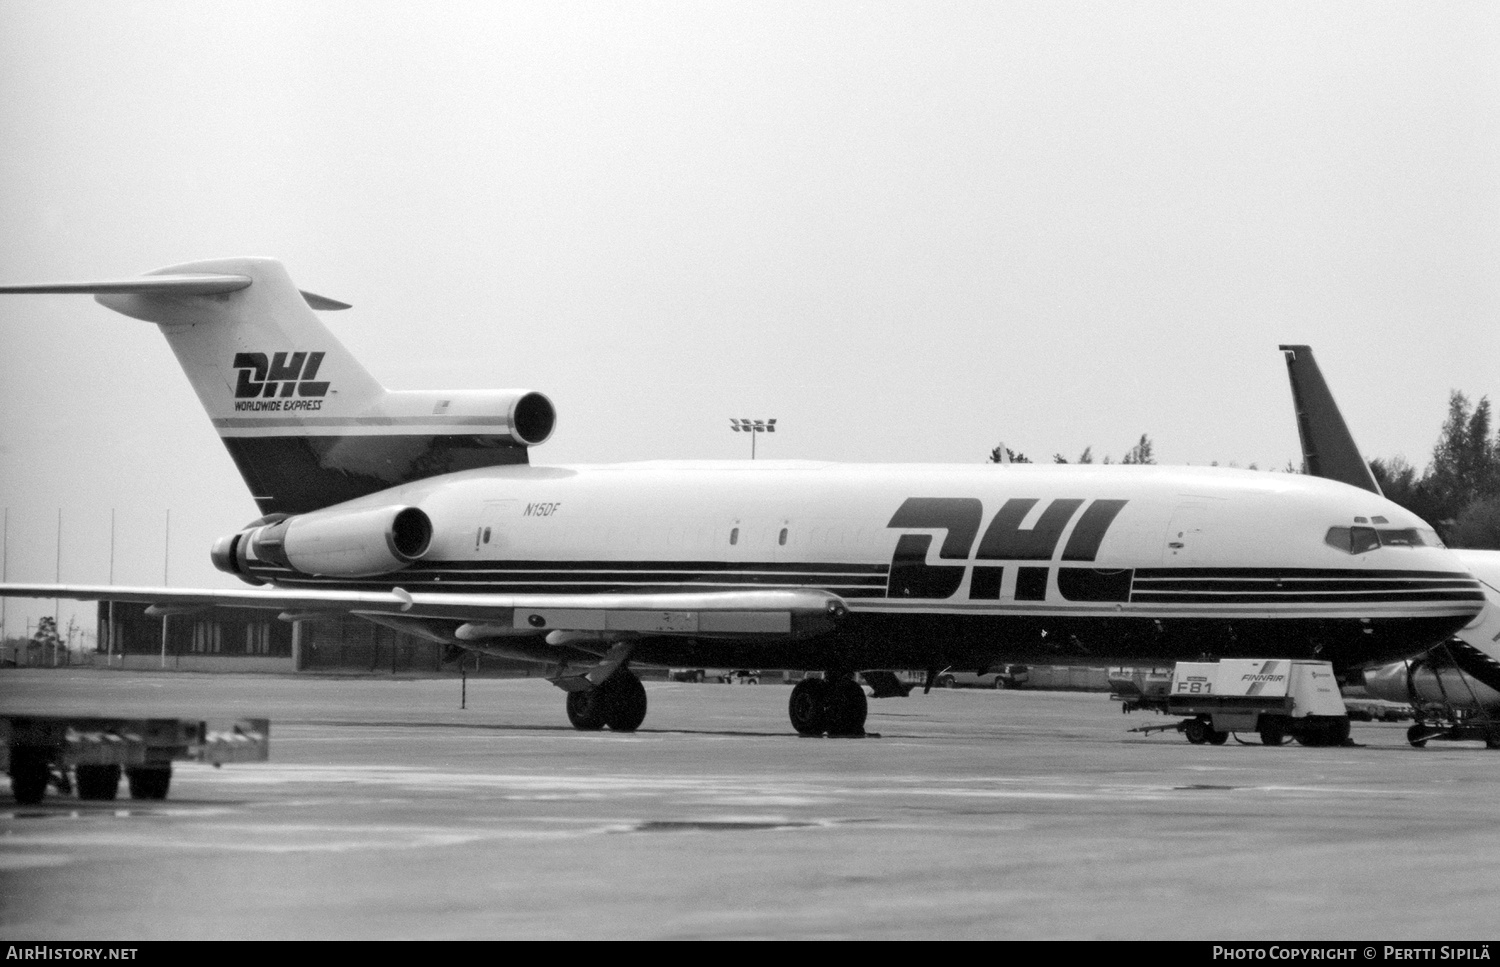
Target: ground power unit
{"type": "Point", "coordinates": [1278, 699]}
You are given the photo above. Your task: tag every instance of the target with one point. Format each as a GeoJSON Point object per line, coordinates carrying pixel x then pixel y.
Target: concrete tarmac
{"type": "Point", "coordinates": [387, 811]}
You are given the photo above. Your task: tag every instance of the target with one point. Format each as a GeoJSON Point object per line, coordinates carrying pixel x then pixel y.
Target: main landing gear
{"type": "Point", "coordinates": [831, 706]}
{"type": "Point", "coordinates": [32, 770]}
{"type": "Point", "coordinates": [618, 702]}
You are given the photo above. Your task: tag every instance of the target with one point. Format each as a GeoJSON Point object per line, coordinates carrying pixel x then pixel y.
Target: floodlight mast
{"type": "Point", "coordinates": [752, 427]}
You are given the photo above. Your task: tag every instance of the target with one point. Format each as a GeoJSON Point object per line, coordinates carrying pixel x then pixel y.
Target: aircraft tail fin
{"type": "Point", "coordinates": [1328, 448]}
{"type": "Point", "coordinates": [306, 423]}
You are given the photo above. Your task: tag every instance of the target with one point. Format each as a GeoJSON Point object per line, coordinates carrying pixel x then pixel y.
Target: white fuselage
{"type": "Point", "coordinates": [1072, 562]}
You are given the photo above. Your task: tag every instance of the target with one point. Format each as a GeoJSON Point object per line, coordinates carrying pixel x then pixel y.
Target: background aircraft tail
{"type": "Point", "coordinates": [306, 424]}
{"type": "Point", "coordinates": [1328, 448]}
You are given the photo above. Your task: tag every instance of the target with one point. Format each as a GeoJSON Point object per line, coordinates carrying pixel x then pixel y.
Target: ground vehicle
{"type": "Point", "coordinates": [1012, 676]}
{"type": "Point", "coordinates": [989, 678]}
{"type": "Point", "coordinates": [996, 676]}
{"type": "Point", "coordinates": [42, 750]}
{"type": "Point", "coordinates": [1277, 698]}
{"type": "Point", "coordinates": [1377, 710]}
{"type": "Point", "coordinates": [743, 676]}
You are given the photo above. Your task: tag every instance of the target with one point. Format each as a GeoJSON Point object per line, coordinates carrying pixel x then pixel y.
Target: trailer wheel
{"type": "Point", "coordinates": [1196, 731]}
{"type": "Point", "coordinates": [1215, 737]}
{"type": "Point", "coordinates": [97, 782]}
{"type": "Point", "coordinates": [1271, 733]}
{"type": "Point", "coordinates": [1492, 739]}
{"type": "Point", "coordinates": [149, 782]}
{"type": "Point", "coordinates": [29, 772]}
{"type": "Point", "coordinates": [1324, 730]}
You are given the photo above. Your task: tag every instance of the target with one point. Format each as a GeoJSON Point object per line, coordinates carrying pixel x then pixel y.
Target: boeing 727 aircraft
{"type": "Point", "coordinates": [422, 511]}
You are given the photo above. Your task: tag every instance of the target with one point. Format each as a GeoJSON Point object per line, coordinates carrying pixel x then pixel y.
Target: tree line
{"type": "Point", "coordinates": [1141, 453]}
{"type": "Point", "coordinates": [1459, 491]}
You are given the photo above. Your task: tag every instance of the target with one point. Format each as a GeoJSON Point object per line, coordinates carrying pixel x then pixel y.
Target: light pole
{"type": "Point", "coordinates": [57, 578]}
{"type": "Point", "coordinates": [752, 427]}
{"type": "Point", "coordinates": [166, 559]}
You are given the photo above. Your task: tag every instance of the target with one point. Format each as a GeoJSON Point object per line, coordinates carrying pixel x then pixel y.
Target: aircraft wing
{"type": "Point", "coordinates": [771, 612]}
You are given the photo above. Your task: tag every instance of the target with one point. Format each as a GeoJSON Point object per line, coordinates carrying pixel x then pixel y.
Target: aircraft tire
{"type": "Point", "coordinates": [586, 709]}
{"type": "Point", "coordinates": [1272, 733]}
{"type": "Point", "coordinates": [624, 702]}
{"type": "Point", "coordinates": [149, 782]}
{"type": "Point", "coordinates": [808, 706]}
{"type": "Point", "coordinates": [29, 772]}
{"type": "Point", "coordinates": [97, 782]}
{"type": "Point", "coordinates": [846, 708]}
{"type": "Point", "coordinates": [1321, 731]}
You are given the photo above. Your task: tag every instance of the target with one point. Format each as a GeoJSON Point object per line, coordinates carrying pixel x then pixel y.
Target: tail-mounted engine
{"type": "Point", "coordinates": [331, 543]}
{"type": "Point", "coordinates": [499, 417]}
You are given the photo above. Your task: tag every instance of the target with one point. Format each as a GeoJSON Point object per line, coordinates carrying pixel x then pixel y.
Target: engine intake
{"type": "Point", "coordinates": [330, 543]}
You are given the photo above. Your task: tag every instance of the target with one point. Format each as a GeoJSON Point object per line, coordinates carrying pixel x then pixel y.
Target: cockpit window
{"type": "Point", "coordinates": [1359, 540]}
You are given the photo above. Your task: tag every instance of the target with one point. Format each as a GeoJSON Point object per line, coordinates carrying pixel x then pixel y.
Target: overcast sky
{"type": "Point", "coordinates": [907, 231]}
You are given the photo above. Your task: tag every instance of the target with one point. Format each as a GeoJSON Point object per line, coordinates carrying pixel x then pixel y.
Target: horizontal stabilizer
{"type": "Point", "coordinates": [153, 285]}
{"type": "Point", "coordinates": [161, 285]}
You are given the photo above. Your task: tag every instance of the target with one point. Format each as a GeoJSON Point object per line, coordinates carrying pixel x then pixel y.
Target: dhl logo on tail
{"type": "Point", "coordinates": [283, 375]}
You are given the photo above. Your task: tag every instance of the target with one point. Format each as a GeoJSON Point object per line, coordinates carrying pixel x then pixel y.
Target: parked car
{"type": "Point", "coordinates": [743, 676]}
{"type": "Point", "coordinates": [961, 679]}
